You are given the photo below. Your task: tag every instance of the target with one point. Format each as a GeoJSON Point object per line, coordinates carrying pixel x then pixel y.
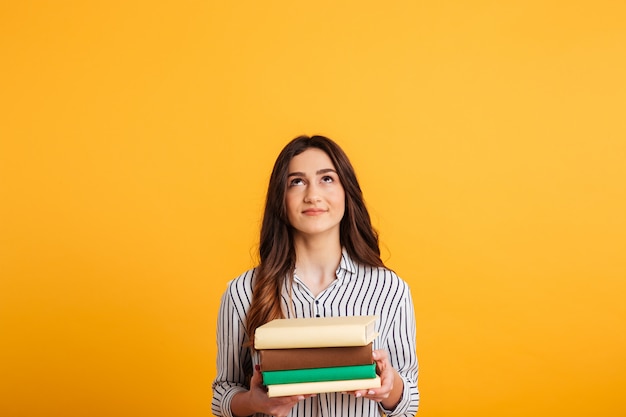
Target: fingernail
{"type": "Point", "coordinates": [257, 367]}
{"type": "Point", "coordinates": [300, 397]}
{"type": "Point", "coordinates": [358, 394]}
{"type": "Point", "coordinates": [370, 393]}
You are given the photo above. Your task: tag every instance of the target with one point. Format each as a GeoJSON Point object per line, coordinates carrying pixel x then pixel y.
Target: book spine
{"type": "Point", "coordinates": [303, 388]}
{"type": "Point", "coordinates": [335, 373]}
{"type": "Point", "coordinates": [305, 358]}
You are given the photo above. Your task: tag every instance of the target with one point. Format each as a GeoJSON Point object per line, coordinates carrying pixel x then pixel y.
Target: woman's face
{"type": "Point", "coordinates": [315, 198]}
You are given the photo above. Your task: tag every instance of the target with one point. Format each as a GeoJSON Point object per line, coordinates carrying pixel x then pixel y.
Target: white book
{"type": "Point", "coordinates": [316, 332]}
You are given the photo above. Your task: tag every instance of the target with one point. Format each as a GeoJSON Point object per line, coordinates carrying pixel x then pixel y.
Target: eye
{"type": "Point", "coordinates": [296, 181]}
{"type": "Point", "coordinates": [327, 179]}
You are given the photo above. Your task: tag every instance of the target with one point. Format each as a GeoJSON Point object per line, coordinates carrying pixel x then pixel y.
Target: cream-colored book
{"type": "Point", "coordinates": [303, 388]}
{"type": "Point", "coordinates": [316, 332]}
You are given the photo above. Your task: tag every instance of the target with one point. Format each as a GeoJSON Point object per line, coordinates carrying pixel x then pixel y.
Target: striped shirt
{"type": "Point", "coordinates": [358, 290]}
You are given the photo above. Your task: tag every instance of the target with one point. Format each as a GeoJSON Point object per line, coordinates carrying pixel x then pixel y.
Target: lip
{"type": "Point", "coordinates": [313, 211]}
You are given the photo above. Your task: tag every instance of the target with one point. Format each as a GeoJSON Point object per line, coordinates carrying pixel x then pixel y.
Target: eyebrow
{"type": "Point", "coordinates": [319, 172]}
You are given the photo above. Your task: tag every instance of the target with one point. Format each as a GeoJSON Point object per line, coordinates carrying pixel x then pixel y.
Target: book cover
{"type": "Point", "coordinates": [282, 390]}
{"type": "Point", "coordinates": [335, 373]}
{"type": "Point", "coordinates": [305, 358]}
{"type": "Point", "coordinates": [316, 332]}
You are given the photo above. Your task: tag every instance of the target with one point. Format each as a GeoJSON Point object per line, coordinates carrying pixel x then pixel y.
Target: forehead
{"type": "Point", "coordinates": [311, 160]}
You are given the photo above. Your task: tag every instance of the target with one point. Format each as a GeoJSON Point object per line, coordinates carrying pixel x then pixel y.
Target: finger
{"type": "Point", "coordinates": [359, 393]}
{"type": "Point", "coordinates": [257, 379]}
{"type": "Point", "coordinates": [379, 355]}
{"type": "Point", "coordinates": [381, 359]}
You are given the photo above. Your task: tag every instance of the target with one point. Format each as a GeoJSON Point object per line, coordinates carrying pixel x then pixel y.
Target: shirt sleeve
{"type": "Point", "coordinates": [234, 364]}
{"type": "Point", "coordinates": [402, 353]}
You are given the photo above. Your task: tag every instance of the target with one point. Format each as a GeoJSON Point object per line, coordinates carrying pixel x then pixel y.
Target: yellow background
{"type": "Point", "coordinates": [136, 139]}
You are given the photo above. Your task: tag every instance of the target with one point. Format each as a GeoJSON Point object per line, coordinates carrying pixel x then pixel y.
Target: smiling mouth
{"type": "Point", "coordinates": [313, 212]}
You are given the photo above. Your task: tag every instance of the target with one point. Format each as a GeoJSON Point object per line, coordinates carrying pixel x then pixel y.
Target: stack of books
{"type": "Point", "coordinates": [315, 355]}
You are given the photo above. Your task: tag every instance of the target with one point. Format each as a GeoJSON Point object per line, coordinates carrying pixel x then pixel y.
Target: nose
{"type": "Point", "coordinates": [312, 194]}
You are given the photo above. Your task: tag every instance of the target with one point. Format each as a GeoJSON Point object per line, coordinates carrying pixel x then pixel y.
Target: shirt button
{"type": "Point", "coordinates": [317, 315]}
{"type": "Point", "coordinates": [317, 302]}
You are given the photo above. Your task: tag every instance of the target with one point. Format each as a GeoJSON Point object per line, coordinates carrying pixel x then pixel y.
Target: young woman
{"type": "Point", "coordinates": [319, 257]}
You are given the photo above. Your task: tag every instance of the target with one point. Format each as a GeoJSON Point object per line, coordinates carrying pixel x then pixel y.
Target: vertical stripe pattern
{"type": "Point", "coordinates": [358, 290]}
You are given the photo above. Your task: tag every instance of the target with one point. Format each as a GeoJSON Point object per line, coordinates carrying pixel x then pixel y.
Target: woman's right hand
{"type": "Point", "coordinates": [257, 401]}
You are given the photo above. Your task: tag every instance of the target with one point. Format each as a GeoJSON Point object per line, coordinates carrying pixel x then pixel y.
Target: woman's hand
{"type": "Point", "coordinates": [257, 401]}
{"type": "Point", "coordinates": [391, 385]}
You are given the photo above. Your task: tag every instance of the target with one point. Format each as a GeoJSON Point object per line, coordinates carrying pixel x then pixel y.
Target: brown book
{"type": "Point", "coordinates": [306, 358]}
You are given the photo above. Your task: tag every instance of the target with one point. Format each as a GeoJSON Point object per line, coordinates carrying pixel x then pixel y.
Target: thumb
{"type": "Point", "coordinates": [257, 379]}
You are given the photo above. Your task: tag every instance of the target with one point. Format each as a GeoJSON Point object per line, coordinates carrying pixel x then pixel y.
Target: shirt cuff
{"type": "Point", "coordinates": [228, 398]}
{"type": "Point", "coordinates": [402, 405]}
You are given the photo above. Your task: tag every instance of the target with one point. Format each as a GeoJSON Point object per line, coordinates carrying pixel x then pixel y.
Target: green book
{"type": "Point", "coordinates": [335, 373]}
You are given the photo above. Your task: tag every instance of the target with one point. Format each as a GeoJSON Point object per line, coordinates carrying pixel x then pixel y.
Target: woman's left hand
{"type": "Point", "coordinates": [391, 385]}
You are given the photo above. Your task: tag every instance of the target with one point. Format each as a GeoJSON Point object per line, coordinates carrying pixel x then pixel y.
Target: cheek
{"type": "Point", "coordinates": [290, 206]}
{"type": "Point", "coordinates": [290, 201]}
{"type": "Point", "coordinates": [340, 201]}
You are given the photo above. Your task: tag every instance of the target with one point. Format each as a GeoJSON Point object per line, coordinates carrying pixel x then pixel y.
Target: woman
{"type": "Point", "coordinates": [319, 257]}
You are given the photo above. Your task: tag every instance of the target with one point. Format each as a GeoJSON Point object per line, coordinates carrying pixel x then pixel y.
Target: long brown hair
{"type": "Point", "coordinates": [276, 247]}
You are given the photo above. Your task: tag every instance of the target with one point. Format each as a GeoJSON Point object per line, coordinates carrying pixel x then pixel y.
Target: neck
{"type": "Point", "coordinates": [318, 250]}
{"type": "Point", "coordinates": [317, 261]}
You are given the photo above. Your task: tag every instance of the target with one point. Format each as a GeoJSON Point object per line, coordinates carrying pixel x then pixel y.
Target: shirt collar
{"type": "Point", "coordinates": [346, 264]}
